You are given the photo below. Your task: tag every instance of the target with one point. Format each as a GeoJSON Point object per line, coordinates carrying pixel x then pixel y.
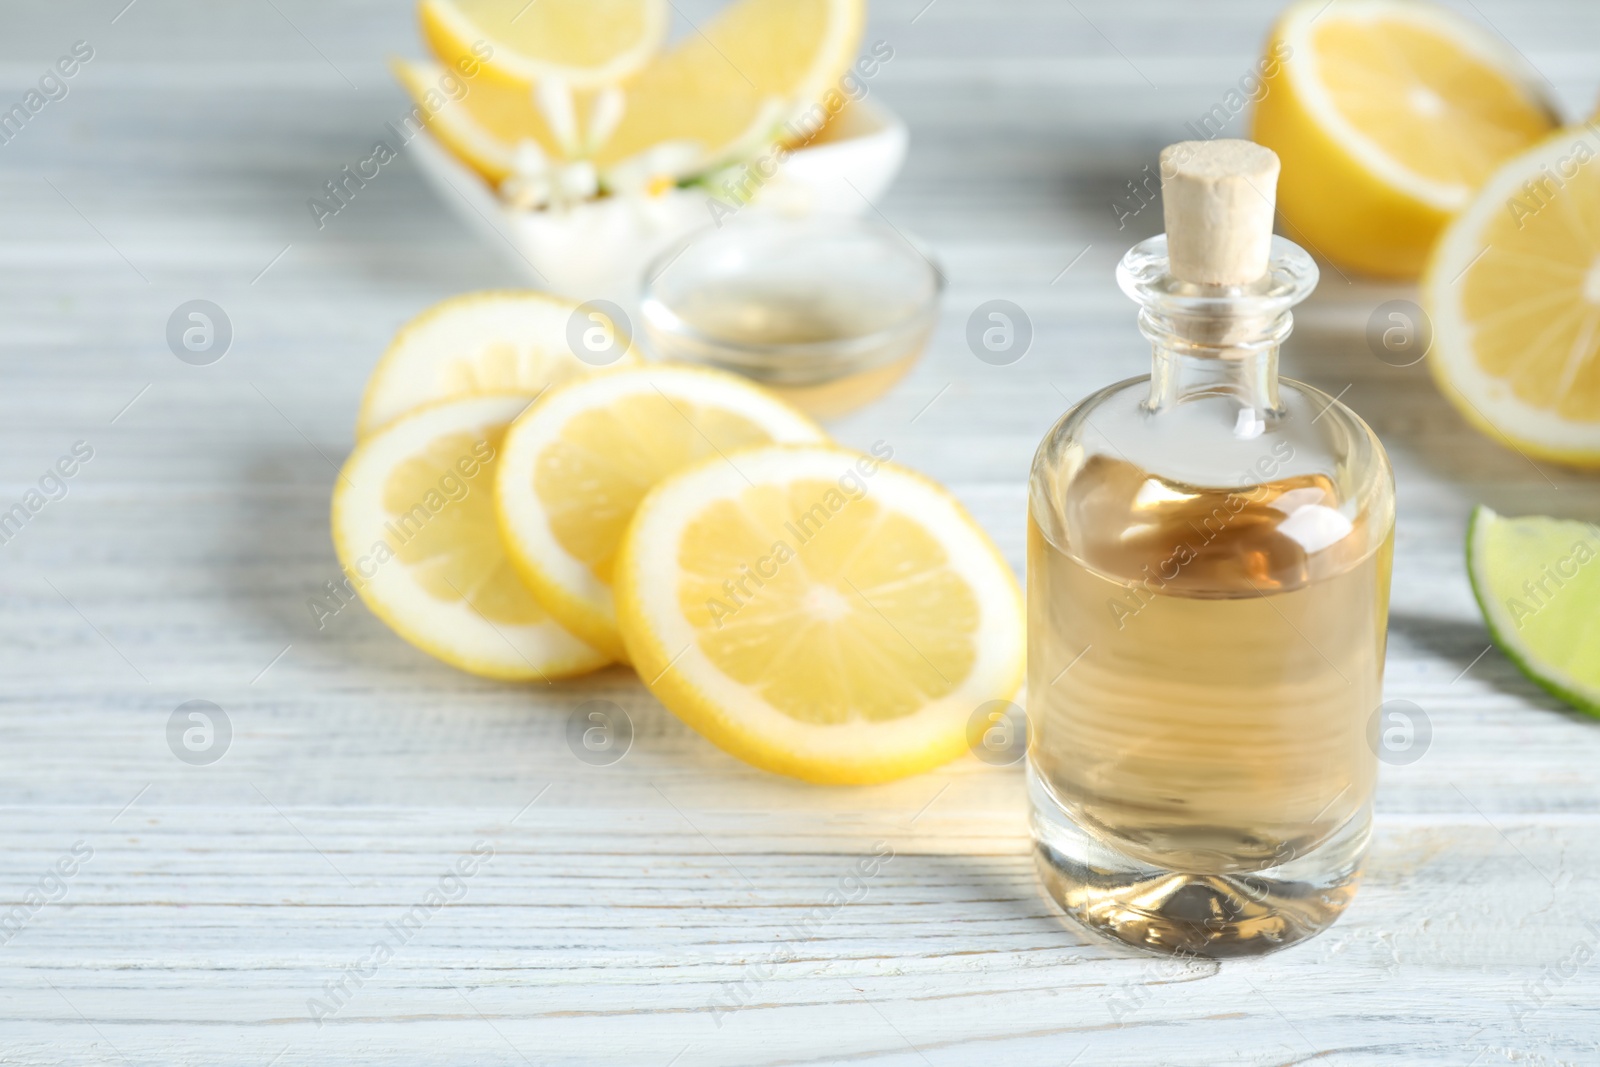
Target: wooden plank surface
{"type": "Point", "coordinates": [676, 907]}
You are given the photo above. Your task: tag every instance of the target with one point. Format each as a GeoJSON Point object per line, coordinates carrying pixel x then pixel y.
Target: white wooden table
{"type": "Point", "coordinates": [647, 912]}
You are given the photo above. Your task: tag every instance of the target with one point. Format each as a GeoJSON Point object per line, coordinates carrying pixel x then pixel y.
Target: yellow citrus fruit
{"type": "Point", "coordinates": [1513, 296]}
{"type": "Point", "coordinates": [414, 528]}
{"type": "Point", "coordinates": [480, 122]}
{"type": "Point", "coordinates": [1388, 115]}
{"type": "Point", "coordinates": [498, 341]}
{"type": "Point", "coordinates": [584, 43]}
{"type": "Point", "coordinates": [579, 461]}
{"type": "Point", "coordinates": [726, 90]}
{"type": "Point", "coordinates": [818, 612]}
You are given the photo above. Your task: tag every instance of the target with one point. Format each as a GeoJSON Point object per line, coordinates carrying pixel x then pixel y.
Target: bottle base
{"type": "Point", "coordinates": [1193, 913]}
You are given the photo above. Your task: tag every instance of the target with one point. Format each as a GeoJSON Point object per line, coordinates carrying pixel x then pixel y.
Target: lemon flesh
{"type": "Point", "coordinates": [1513, 295]}
{"type": "Point", "coordinates": [585, 43]}
{"type": "Point", "coordinates": [1387, 116]}
{"type": "Point", "coordinates": [818, 612]}
{"type": "Point", "coordinates": [726, 90]}
{"type": "Point", "coordinates": [1537, 581]}
{"type": "Point", "coordinates": [578, 463]}
{"type": "Point", "coordinates": [496, 342]}
{"type": "Point", "coordinates": [416, 532]}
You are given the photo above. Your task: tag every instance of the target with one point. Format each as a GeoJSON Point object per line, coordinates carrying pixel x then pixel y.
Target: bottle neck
{"type": "Point", "coordinates": [1216, 356]}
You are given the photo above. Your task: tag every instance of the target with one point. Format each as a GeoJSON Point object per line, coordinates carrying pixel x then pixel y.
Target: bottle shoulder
{"type": "Point", "coordinates": [1288, 495]}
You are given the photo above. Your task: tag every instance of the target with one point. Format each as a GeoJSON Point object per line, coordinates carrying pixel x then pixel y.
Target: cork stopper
{"type": "Point", "coordinates": [1218, 197]}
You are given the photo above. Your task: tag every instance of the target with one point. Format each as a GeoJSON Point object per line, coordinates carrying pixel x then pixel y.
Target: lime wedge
{"type": "Point", "coordinates": [1537, 581]}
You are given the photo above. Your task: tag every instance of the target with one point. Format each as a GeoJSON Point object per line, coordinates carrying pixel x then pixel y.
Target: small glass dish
{"type": "Point", "coordinates": [828, 311]}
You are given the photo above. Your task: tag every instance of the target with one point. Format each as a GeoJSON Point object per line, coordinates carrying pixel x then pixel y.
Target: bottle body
{"type": "Point", "coordinates": [1208, 575]}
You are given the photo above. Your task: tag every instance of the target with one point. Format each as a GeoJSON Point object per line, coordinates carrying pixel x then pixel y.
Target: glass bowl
{"type": "Point", "coordinates": [828, 311]}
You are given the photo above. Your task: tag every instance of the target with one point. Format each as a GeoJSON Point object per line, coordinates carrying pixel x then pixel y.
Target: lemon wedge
{"type": "Point", "coordinates": [414, 528]}
{"type": "Point", "coordinates": [482, 127]}
{"type": "Point", "coordinates": [583, 43]}
{"type": "Point", "coordinates": [492, 342]}
{"type": "Point", "coordinates": [818, 612]}
{"type": "Point", "coordinates": [578, 462]}
{"type": "Point", "coordinates": [1388, 115]}
{"type": "Point", "coordinates": [1513, 293]}
{"type": "Point", "coordinates": [726, 90]}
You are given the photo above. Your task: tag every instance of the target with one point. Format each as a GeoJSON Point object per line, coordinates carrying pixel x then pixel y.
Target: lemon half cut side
{"type": "Point", "coordinates": [1513, 293]}
{"type": "Point", "coordinates": [1388, 115]}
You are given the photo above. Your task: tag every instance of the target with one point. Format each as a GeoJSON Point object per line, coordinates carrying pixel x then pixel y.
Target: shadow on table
{"type": "Point", "coordinates": [1467, 646]}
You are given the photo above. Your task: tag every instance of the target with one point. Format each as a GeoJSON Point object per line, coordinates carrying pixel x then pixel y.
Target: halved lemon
{"type": "Point", "coordinates": [580, 460]}
{"type": "Point", "coordinates": [726, 90]}
{"type": "Point", "coordinates": [584, 43]}
{"type": "Point", "coordinates": [818, 612]}
{"type": "Point", "coordinates": [414, 528]}
{"type": "Point", "coordinates": [497, 341]}
{"type": "Point", "coordinates": [1537, 581]}
{"type": "Point", "coordinates": [1387, 115]}
{"type": "Point", "coordinates": [1513, 291]}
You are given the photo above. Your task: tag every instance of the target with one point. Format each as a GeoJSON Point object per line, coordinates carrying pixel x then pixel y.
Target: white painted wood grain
{"type": "Point", "coordinates": [627, 910]}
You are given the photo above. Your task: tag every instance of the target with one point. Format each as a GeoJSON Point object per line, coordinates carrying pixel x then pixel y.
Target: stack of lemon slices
{"type": "Point", "coordinates": [565, 85]}
{"type": "Point", "coordinates": [523, 515]}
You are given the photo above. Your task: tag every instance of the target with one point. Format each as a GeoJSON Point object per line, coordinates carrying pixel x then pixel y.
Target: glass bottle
{"type": "Point", "coordinates": [1208, 580]}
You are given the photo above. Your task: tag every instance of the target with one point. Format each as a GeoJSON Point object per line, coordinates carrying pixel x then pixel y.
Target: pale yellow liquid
{"type": "Point", "coordinates": [1208, 714]}
{"type": "Point", "coordinates": [822, 386]}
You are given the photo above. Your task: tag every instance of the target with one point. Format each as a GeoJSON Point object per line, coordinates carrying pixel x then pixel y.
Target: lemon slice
{"type": "Point", "coordinates": [818, 612]}
{"type": "Point", "coordinates": [576, 465]}
{"type": "Point", "coordinates": [1537, 581]}
{"type": "Point", "coordinates": [1513, 291]}
{"type": "Point", "coordinates": [726, 90]}
{"type": "Point", "coordinates": [493, 342]}
{"type": "Point", "coordinates": [414, 528]}
{"type": "Point", "coordinates": [1387, 115]}
{"type": "Point", "coordinates": [584, 43]}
